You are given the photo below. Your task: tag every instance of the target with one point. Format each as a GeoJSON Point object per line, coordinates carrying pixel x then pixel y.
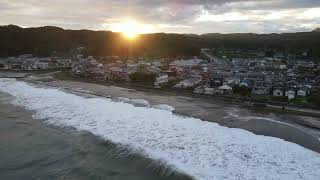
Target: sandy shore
{"type": "Point", "coordinates": [4, 74]}
{"type": "Point", "coordinates": [303, 130]}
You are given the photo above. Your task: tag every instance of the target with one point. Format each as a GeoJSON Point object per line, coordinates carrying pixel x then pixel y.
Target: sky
{"type": "Point", "coordinates": [170, 16]}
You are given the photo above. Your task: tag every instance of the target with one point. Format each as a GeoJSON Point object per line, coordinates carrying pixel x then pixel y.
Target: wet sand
{"type": "Point", "coordinates": [4, 74]}
{"type": "Point", "coordinates": [259, 121]}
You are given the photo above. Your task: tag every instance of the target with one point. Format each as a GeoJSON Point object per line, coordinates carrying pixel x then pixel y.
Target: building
{"type": "Point", "coordinates": [303, 91]}
{"type": "Point", "coordinates": [42, 65]}
{"type": "Point", "coordinates": [261, 88]}
{"type": "Point", "coordinates": [187, 83]}
{"type": "Point", "coordinates": [164, 78]}
{"type": "Point", "coordinates": [118, 73]}
{"type": "Point", "coordinates": [290, 93]}
{"type": "Point", "coordinates": [278, 90]}
{"type": "Point", "coordinates": [292, 84]}
{"type": "Point", "coordinates": [225, 89]}
{"type": "Point", "coordinates": [256, 76]}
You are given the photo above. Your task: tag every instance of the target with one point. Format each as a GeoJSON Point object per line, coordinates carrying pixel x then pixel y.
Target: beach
{"type": "Point", "coordinates": [300, 129]}
{"type": "Point", "coordinates": [206, 139]}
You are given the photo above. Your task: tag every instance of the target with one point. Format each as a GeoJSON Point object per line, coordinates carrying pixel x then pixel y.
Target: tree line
{"type": "Point", "coordinates": [42, 41]}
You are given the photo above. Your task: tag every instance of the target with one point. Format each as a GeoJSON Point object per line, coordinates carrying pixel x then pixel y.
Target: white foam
{"type": "Point", "coordinates": [123, 99]}
{"type": "Point", "coordinates": [202, 149]}
{"type": "Point", "coordinates": [164, 107]}
{"type": "Point", "coordinates": [140, 102]}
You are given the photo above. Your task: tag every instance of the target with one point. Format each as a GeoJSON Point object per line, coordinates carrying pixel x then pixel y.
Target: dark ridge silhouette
{"type": "Point", "coordinates": [42, 41]}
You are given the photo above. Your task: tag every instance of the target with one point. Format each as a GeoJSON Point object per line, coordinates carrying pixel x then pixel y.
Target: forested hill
{"type": "Point", "coordinates": [15, 40]}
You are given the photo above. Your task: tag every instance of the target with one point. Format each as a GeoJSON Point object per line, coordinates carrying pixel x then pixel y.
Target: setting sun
{"type": "Point", "coordinates": [131, 28]}
{"type": "Point", "coordinates": [130, 35]}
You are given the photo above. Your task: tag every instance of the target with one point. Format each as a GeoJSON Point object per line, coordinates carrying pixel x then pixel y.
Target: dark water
{"type": "Point", "coordinates": [30, 149]}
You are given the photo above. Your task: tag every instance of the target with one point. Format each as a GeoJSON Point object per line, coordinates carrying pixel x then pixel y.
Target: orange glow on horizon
{"type": "Point", "coordinates": [131, 28]}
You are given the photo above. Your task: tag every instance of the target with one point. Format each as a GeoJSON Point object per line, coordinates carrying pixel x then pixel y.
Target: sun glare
{"type": "Point", "coordinates": [130, 35]}
{"type": "Point", "coordinates": [131, 29]}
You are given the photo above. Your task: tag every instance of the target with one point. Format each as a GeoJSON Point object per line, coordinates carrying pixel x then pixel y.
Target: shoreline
{"type": "Point", "coordinates": [186, 143]}
{"type": "Point", "coordinates": [294, 128]}
{"type": "Point", "coordinates": [50, 76]}
{"type": "Point", "coordinates": [73, 144]}
{"type": "Point", "coordinates": [289, 108]}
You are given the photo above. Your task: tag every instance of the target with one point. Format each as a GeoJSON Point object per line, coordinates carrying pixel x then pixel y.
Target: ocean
{"type": "Point", "coordinates": [31, 149]}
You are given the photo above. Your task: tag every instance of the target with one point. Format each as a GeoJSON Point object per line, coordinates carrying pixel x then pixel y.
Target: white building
{"type": "Point", "coordinates": [161, 79]}
{"type": "Point", "coordinates": [208, 91]}
{"type": "Point", "coordinates": [187, 63]}
{"type": "Point", "coordinates": [277, 92]}
{"type": "Point", "coordinates": [225, 89]}
{"type": "Point", "coordinates": [190, 82]}
{"type": "Point", "coordinates": [42, 65]}
{"type": "Point", "coordinates": [291, 94]}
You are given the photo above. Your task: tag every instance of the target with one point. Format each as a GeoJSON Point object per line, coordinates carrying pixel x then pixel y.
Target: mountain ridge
{"type": "Point", "coordinates": [44, 40]}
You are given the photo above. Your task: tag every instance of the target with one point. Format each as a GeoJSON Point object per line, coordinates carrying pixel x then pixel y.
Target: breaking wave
{"type": "Point", "coordinates": [201, 149]}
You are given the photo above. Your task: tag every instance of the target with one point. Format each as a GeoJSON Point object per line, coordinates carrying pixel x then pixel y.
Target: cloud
{"type": "Point", "coordinates": [183, 16]}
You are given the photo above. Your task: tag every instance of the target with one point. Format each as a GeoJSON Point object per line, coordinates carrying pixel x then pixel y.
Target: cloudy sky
{"type": "Point", "coordinates": [181, 16]}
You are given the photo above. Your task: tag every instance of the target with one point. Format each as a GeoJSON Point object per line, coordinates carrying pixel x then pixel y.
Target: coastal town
{"type": "Point", "coordinates": [276, 76]}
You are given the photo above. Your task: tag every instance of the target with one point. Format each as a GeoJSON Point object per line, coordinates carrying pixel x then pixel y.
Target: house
{"type": "Point", "coordinates": [279, 65]}
{"type": "Point", "coordinates": [42, 65]}
{"type": "Point", "coordinates": [261, 88]}
{"type": "Point", "coordinates": [28, 65]}
{"type": "Point", "coordinates": [118, 73]}
{"type": "Point", "coordinates": [246, 83]}
{"type": "Point", "coordinates": [63, 63]}
{"type": "Point", "coordinates": [153, 69]}
{"type": "Point", "coordinates": [290, 93]}
{"type": "Point", "coordinates": [252, 64]}
{"type": "Point", "coordinates": [292, 84]}
{"type": "Point", "coordinates": [198, 90]}
{"type": "Point", "coordinates": [175, 69]}
{"type": "Point", "coordinates": [209, 91]}
{"type": "Point", "coordinates": [243, 84]}
{"type": "Point", "coordinates": [97, 73]}
{"type": "Point", "coordinates": [241, 74]}
{"type": "Point", "coordinates": [164, 78]}
{"type": "Point", "coordinates": [290, 74]}
{"type": "Point", "coordinates": [225, 89]}
{"type": "Point", "coordinates": [278, 90]}
{"type": "Point", "coordinates": [216, 79]}
{"type": "Point", "coordinates": [256, 76]}
{"type": "Point", "coordinates": [190, 82]}
{"type": "Point", "coordinates": [232, 79]}
{"type": "Point", "coordinates": [188, 64]}
{"type": "Point", "coordinates": [303, 91]}
{"type": "Point", "coordinates": [282, 66]}
{"type": "Point", "coordinates": [204, 90]}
